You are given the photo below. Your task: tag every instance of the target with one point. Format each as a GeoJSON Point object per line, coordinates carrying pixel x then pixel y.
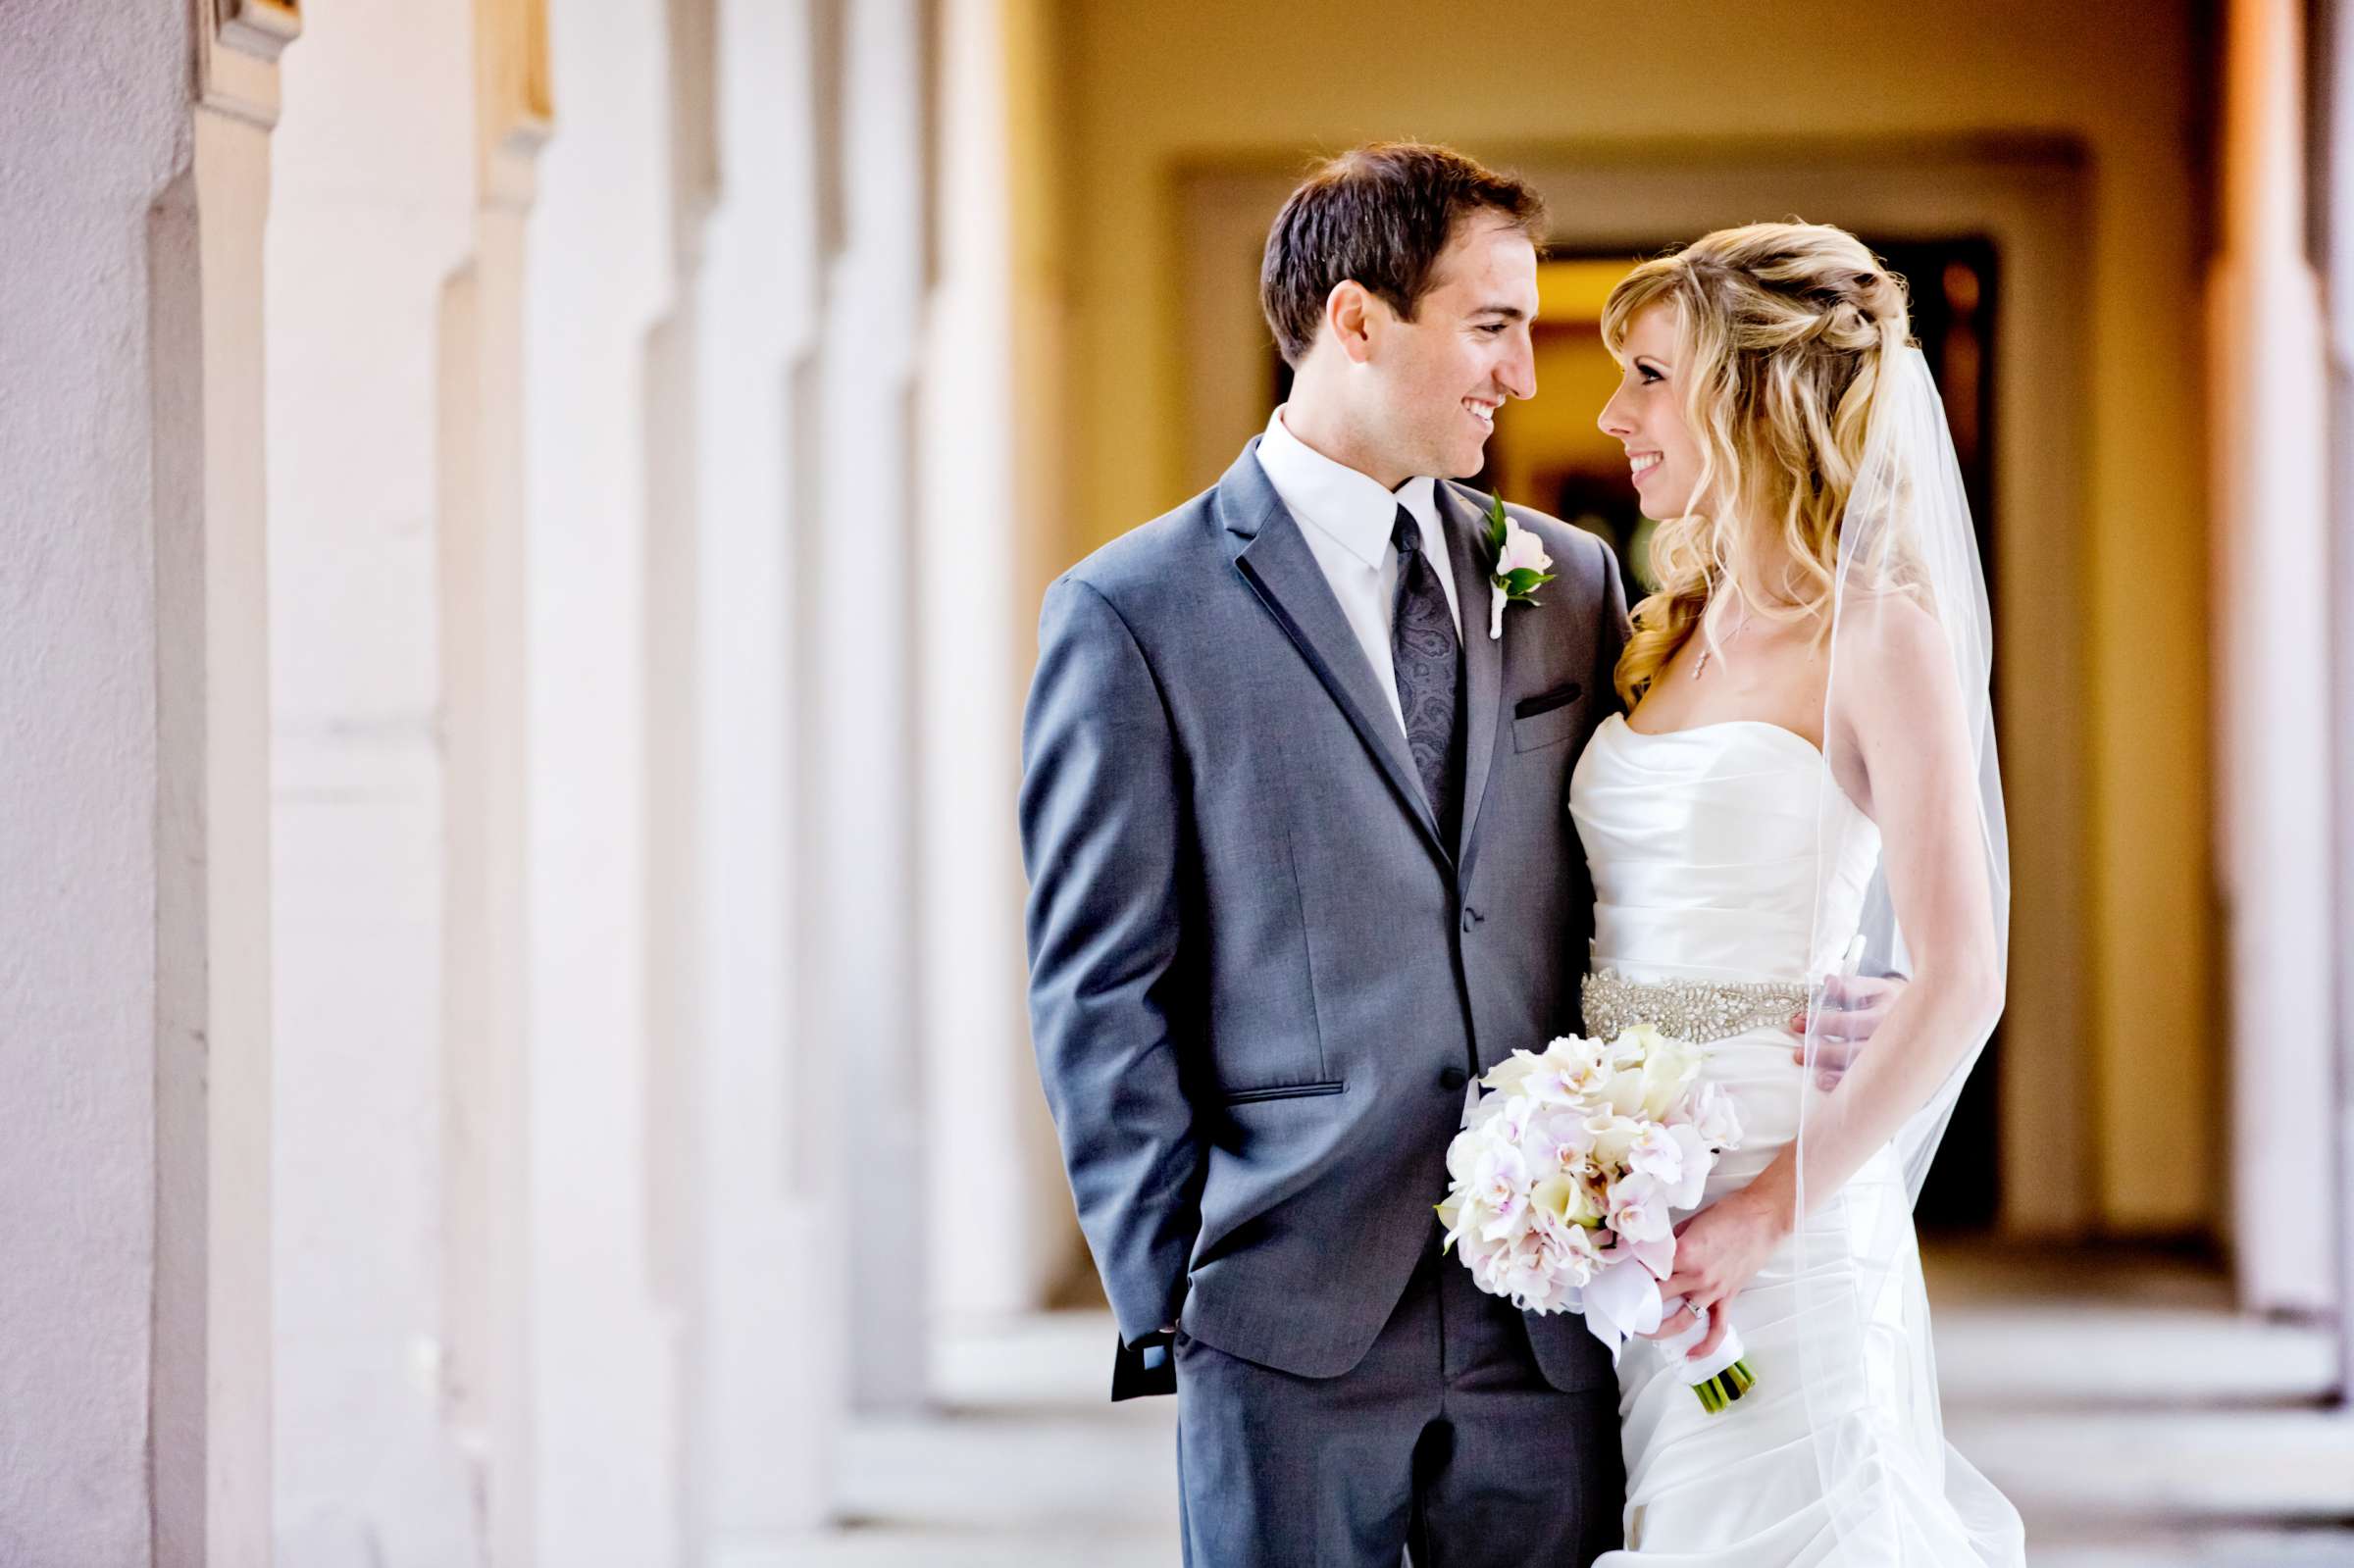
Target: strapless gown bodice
{"type": "Point", "coordinates": [1705, 847]}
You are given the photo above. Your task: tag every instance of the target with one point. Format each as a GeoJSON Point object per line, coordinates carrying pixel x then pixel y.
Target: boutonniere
{"type": "Point", "coordinates": [1520, 565]}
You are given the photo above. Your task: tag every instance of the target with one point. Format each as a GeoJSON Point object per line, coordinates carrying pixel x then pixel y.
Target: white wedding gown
{"type": "Point", "coordinates": [1702, 844]}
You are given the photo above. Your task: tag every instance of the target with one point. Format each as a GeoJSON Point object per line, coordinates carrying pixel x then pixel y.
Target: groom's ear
{"type": "Point", "coordinates": [1349, 316]}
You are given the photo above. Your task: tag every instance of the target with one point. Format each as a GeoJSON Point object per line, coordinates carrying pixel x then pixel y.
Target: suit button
{"type": "Point", "coordinates": [1453, 1077]}
{"type": "Point", "coordinates": [1470, 917]}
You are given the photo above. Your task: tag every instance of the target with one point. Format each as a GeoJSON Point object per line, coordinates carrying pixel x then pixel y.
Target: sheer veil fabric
{"type": "Point", "coordinates": [1908, 738]}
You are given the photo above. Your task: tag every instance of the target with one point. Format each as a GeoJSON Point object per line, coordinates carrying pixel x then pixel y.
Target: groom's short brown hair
{"type": "Point", "coordinates": [1379, 215]}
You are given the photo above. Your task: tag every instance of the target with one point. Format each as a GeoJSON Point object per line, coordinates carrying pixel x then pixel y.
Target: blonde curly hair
{"type": "Point", "coordinates": [1781, 331]}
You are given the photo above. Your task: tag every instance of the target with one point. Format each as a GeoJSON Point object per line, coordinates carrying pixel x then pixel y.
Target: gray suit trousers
{"type": "Point", "coordinates": [1445, 1440]}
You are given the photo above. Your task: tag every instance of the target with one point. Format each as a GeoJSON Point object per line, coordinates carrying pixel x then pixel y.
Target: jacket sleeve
{"type": "Point", "coordinates": [1102, 823]}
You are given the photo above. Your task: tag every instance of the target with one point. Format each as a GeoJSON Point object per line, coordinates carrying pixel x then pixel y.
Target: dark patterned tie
{"type": "Point", "coordinates": [1428, 660]}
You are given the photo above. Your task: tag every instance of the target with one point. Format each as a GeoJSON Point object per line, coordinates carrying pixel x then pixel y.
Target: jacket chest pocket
{"type": "Point", "coordinates": [1547, 719]}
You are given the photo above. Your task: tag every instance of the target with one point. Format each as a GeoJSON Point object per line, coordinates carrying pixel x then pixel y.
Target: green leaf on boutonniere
{"type": "Point", "coordinates": [1523, 579]}
{"type": "Point", "coordinates": [1496, 528]}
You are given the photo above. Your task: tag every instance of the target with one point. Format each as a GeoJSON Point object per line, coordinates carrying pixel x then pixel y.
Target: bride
{"type": "Point", "coordinates": [1805, 778]}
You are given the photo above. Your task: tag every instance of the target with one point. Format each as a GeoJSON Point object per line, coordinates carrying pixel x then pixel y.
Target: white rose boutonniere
{"type": "Point", "coordinates": [1522, 566]}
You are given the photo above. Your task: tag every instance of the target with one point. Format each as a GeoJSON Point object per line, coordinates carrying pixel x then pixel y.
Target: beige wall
{"type": "Point", "coordinates": [1145, 91]}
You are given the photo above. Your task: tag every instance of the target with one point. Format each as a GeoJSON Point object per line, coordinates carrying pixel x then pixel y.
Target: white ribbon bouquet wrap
{"type": "Point", "coordinates": [1567, 1178]}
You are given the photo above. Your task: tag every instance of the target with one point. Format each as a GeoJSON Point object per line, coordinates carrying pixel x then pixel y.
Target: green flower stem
{"type": "Point", "coordinates": [1724, 1388]}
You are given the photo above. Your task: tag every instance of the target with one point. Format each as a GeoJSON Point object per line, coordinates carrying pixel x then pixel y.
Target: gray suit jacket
{"type": "Point", "coordinates": [1258, 979]}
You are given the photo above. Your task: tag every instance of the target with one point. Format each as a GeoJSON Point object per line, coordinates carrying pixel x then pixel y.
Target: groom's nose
{"type": "Point", "coordinates": [1518, 373]}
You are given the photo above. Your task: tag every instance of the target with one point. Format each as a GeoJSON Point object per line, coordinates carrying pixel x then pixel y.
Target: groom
{"type": "Point", "coordinates": [1301, 867]}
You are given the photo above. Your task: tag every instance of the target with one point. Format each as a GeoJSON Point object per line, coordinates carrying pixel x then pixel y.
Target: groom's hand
{"type": "Point", "coordinates": [1851, 1010]}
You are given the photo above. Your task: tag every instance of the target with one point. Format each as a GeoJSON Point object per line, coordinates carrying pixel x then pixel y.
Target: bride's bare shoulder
{"type": "Point", "coordinates": [1894, 663]}
{"type": "Point", "coordinates": [1889, 624]}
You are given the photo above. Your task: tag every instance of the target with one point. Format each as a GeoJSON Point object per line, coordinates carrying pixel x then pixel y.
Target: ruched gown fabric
{"type": "Point", "coordinates": [1703, 846]}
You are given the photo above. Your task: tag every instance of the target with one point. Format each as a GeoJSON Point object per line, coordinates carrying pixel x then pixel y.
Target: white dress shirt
{"type": "Point", "coordinates": [1347, 517]}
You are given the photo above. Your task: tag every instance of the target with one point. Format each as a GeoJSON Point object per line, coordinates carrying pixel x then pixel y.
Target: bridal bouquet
{"type": "Point", "coordinates": [1564, 1178]}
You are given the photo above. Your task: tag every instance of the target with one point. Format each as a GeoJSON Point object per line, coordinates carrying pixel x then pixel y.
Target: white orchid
{"type": "Point", "coordinates": [1655, 1253]}
{"type": "Point", "coordinates": [1544, 1264]}
{"type": "Point", "coordinates": [1656, 1153]}
{"type": "Point", "coordinates": [1511, 1123]}
{"type": "Point", "coordinates": [1558, 1139]}
{"type": "Point", "coordinates": [1638, 1209]}
{"type": "Point", "coordinates": [1566, 1072]}
{"type": "Point", "coordinates": [1499, 1186]}
{"type": "Point", "coordinates": [1506, 1075]}
{"type": "Point", "coordinates": [1709, 1111]}
{"type": "Point", "coordinates": [1694, 1160]}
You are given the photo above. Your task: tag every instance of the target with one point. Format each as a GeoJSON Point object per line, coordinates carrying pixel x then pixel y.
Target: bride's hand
{"type": "Point", "coordinates": [1718, 1251]}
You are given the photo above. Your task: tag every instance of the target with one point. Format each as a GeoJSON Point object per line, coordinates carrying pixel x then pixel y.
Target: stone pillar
{"type": "Point", "coordinates": [237, 45]}
{"type": "Point", "coordinates": [372, 211]}
{"type": "Point", "coordinates": [134, 1326]}
{"type": "Point", "coordinates": [676, 1049]}
{"type": "Point", "coordinates": [488, 1134]}
{"type": "Point", "coordinates": [2272, 681]}
{"type": "Point", "coordinates": [753, 1249]}
{"type": "Point", "coordinates": [604, 1408]}
{"type": "Point", "coordinates": [2333, 185]}
{"type": "Point", "coordinates": [870, 982]}
{"type": "Point", "coordinates": [1002, 1230]}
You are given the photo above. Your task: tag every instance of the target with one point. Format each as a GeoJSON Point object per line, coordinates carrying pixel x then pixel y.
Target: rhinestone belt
{"type": "Point", "coordinates": [1696, 1011]}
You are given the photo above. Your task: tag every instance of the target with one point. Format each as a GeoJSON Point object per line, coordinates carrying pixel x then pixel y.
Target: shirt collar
{"type": "Point", "coordinates": [1346, 506]}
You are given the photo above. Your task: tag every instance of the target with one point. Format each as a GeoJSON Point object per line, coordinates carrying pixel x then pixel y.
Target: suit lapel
{"type": "Point", "coordinates": [1273, 557]}
{"type": "Point", "coordinates": [1483, 657]}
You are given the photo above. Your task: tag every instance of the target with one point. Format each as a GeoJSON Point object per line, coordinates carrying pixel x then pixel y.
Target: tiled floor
{"type": "Point", "coordinates": [2134, 1418]}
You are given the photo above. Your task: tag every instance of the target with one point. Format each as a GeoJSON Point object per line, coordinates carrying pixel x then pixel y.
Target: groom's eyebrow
{"type": "Point", "coordinates": [1511, 312]}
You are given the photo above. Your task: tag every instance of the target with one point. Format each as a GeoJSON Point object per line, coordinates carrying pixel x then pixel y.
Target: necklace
{"type": "Point", "coordinates": [1700, 666]}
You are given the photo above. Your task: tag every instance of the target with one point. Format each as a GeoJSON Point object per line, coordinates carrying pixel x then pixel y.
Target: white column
{"type": "Point", "coordinates": [862, 593]}
{"type": "Point", "coordinates": [237, 104]}
{"type": "Point", "coordinates": [761, 1258]}
{"type": "Point", "coordinates": [100, 446]}
{"type": "Point", "coordinates": [604, 1406]}
{"type": "Point", "coordinates": [1000, 1229]}
{"type": "Point", "coordinates": [2336, 60]}
{"type": "Point", "coordinates": [676, 1044]}
{"type": "Point", "coordinates": [2272, 682]}
{"type": "Point", "coordinates": [134, 1326]}
{"type": "Point", "coordinates": [371, 212]}
{"type": "Point", "coordinates": [489, 1137]}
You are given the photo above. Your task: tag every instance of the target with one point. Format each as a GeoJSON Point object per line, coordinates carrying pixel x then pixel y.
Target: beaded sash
{"type": "Point", "coordinates": [1696, 1011]}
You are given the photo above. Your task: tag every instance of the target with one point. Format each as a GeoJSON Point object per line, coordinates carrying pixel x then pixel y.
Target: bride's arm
{"type": "Point", "coordinates": [1904, 726]}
